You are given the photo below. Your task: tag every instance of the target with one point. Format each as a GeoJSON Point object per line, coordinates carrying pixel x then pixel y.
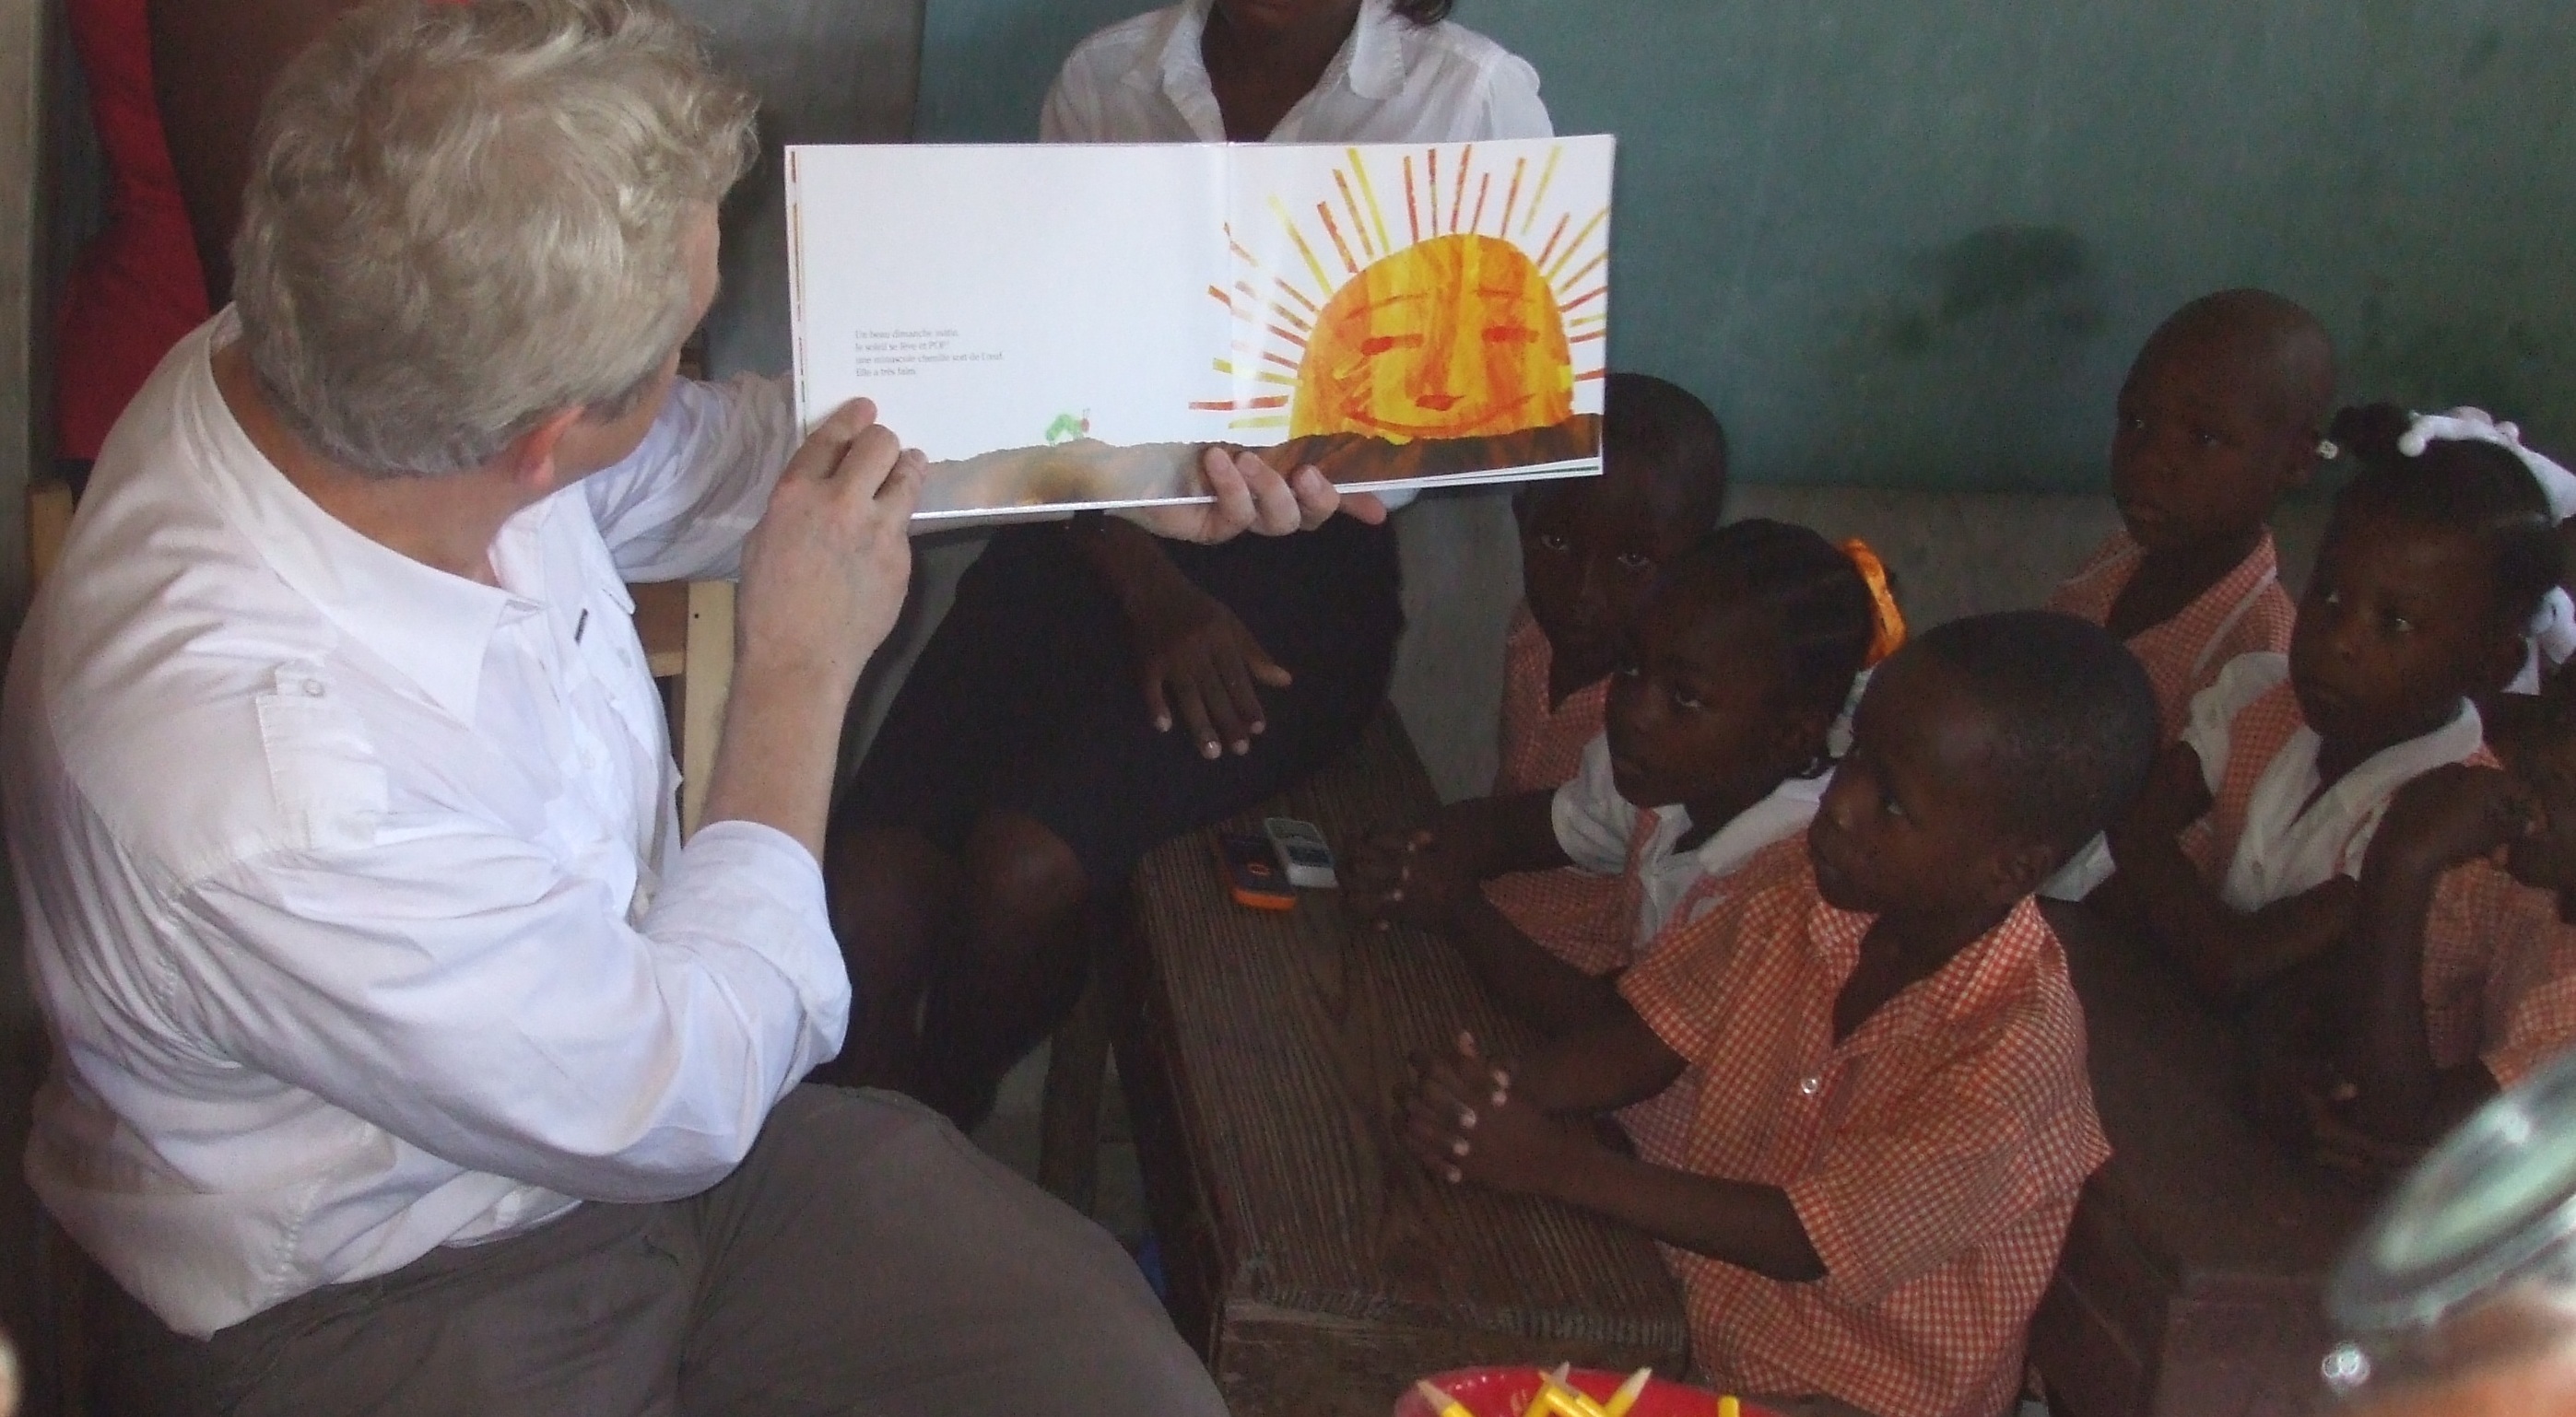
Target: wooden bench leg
{"type": "Point", "coordinates": [1069, 1118]}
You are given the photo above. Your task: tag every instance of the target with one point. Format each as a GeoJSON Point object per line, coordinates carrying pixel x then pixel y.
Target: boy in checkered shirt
{"type": "Point", "coordinates": [1893, 1116]}
{"type": "Point", "coordinates": [2222, 414]}
{"type": "Point", "coordinates": [1714, 750]}
{"type": "Point", "coordinates": [2254, 860]}
{"type": "Point", "coordinates": [1590, 551]}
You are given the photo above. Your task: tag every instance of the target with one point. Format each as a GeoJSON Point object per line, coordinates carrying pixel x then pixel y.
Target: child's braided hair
{"type": "Point", "coordinates": [2477, 488]}
{"type": "Point", "coordinates": [1815, 596]}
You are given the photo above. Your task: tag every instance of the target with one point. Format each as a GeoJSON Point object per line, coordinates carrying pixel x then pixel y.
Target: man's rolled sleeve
{"type": "Point", "coordinates": [679, 506]}
{"type": "Point", "coordinates": [746, 882]}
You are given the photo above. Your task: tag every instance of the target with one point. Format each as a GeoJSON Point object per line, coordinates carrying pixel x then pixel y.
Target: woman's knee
{"type": "Point", "coordinates": [1021, 877]}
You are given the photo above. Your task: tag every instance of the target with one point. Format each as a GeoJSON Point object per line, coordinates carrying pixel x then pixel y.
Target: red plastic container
{"type": "Point", "coordinates": [1506, 1392]}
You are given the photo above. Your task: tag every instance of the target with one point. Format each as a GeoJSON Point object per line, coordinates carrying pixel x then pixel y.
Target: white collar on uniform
{"type": "Point", "coordinates": [433, 627]}
{"type": "Point", "coordinates": [1370, 63]}
{"type": "Point", "coordinates": [2286, 850]}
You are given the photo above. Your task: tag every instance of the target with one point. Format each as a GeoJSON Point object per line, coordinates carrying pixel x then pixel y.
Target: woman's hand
{"type": "Point", "coordinates": [1251, 497]}
{"type": "Point", "coordinates": [1196, 661]}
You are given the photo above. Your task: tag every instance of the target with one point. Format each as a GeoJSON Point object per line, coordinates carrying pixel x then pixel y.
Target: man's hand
{"type": "Point", "coordinates": [823, 576]}
{"type": "Point", "coordinates": [1416, 876]}
{"type": "Point", "coordinates": [1251, 497]}
{"type": "Point", "coordinates": [1463, 1123]}
{"type": "Point", "coordinates": [1196, 661]}
{"type": "Point", "coordinates": [825, 571]}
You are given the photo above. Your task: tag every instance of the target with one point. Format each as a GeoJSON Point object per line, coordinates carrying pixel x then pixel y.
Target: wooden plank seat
{"type": "Point", "coordinates": [1314, 1266]}
{"type": "Point", "coordinates": [2192, 1279]}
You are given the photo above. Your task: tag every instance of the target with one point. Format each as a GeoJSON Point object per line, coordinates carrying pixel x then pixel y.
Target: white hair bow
{"type": "Point", "coordinates": [2553, 626]}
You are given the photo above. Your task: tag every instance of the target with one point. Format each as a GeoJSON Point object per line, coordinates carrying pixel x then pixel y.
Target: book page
{"type": "Point", "coordinates": [1067, 326]}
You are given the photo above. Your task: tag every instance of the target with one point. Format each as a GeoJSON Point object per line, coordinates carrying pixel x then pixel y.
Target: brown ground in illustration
{"type": "Point", "coordinates": [1351, 457]}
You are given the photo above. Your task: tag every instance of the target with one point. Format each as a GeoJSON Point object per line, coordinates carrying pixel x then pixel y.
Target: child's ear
{"type": "Point", "coordinates": [1803, 733]}
{"type": "Point", "coordinates": [2305, 453]}
{"type": "Point", "coordinates": [2020, 868]}
{"type": "Point", "coordinates": [2504, 661]}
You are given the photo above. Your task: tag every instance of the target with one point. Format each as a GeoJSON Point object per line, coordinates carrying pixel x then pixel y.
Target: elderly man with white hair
{"type": "Point", "coordinates": [407, 1061]}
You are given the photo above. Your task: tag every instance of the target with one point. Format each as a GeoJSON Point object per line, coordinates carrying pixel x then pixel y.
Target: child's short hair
{"type": "Point", "coordinates": [2479, 489]}
{"type": "Point", "coordinates": [1665, 430]}
{"type": "Point", "coordinates": [1816, 597]}
{"type": "Point", "coordinates": [2076, 731]}
{"type": "Point", "coordinates": [2278, 335]}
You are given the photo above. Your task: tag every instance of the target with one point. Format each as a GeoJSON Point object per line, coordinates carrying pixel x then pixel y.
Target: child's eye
{"type": "Point", "coordinates": [1553, 542]}
{"type": "Point", "coordinates": [2399, 625]}
{"type": "Point", "coordinates": [1627, 669]}
{"type": "Point", "coordinates": [2203, 438]}
{"type": "Point", "coordinates": [2131, 423]}
{"type": "Point", "coordinates": [1632, 562]}
{"type": "Point", "coordinates": [1890, 807]}
{"type": "Point", "coordinates": [1684, 699]}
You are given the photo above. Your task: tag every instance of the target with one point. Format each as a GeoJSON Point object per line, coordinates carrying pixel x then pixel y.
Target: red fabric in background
{"type": "Point", "coordinates": [136, 288]}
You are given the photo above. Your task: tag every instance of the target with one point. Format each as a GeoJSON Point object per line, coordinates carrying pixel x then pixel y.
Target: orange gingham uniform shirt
{"type": "Point", "coordinates": [2244, 612]}
{"type": "Point", "coordinates": [2499, 974]}
{"type": "Point", "coordinates": [1581, 918]}
{"type": "Point", "coordinates": [1934, 1156]}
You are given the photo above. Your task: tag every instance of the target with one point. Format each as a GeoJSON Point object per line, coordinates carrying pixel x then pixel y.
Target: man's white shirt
{"type": "Point", "coordinates": [354, 890]}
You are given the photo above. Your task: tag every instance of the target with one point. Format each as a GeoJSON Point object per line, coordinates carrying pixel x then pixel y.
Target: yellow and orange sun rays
{"type": "Point", "coordinates": [1458, 331]}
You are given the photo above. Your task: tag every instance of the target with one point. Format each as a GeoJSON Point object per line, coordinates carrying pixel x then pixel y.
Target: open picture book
{"type": "Point", "coordinates": [1065, 327]}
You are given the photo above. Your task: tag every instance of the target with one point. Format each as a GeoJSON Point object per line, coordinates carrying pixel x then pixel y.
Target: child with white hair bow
{"type": "Point", "coordinates": [2553, 628]}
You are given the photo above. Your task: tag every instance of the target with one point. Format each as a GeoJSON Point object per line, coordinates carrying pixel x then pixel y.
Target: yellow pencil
{"type": "Point", "coordinates": [1547, 1383]}
{"type": "Point", "coordinates": [1628, 1393]}
{"type": "Point", "coordinates": [1567, 1400]}
{"type": "Point", "coordinates": [1728, 1407]}
{"type": "Point", "coordinates": [1441, 1402]}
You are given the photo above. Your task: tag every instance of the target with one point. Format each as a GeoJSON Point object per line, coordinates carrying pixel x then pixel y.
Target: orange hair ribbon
{"type": "Point", "coordinates": [1887, 622]}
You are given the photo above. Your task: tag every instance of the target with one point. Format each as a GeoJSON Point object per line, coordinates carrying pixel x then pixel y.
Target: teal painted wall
{"type": "Point", "coordinates": [1915, 242]}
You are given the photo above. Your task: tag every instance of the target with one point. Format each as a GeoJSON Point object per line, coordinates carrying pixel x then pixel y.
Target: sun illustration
{"type": "Point", "coordinates": [1460, 331]}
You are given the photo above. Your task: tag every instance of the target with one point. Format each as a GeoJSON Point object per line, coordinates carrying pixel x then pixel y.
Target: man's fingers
{"type": "Point", "coordinates": [868, 461]}
{"type": "Point", "coordinates": [823, 449]}
{"type": "Point", "coordinates": [900, 492]}
{"type": "Point", "coordinates": [1276, 510]}
{"type": "Point", "coordinates": [1319, 501]}
{"type": "Point", "coordinates": [1235, 508]}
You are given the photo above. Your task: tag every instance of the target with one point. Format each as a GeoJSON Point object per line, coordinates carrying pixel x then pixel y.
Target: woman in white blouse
{"type": "Point", "coordinates": [1095, 691]}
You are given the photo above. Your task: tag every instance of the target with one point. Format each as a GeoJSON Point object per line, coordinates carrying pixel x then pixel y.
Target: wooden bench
{"type": "Point", "coordinates": [2191, 1281]}
{"type": "Point", "coordinates": [1313, 1265]}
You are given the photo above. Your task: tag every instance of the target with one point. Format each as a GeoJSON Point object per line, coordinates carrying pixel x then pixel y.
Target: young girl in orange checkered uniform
{"type": "Point", "coordinates": [1590, 551]}
{"type": "Point", "coordinates": [2241, 862]}
{"type": "Point", "coordinates": [2223, 412]}
{"type": "Point", "coordinates": [1893, 1117]}
{"type": "Point", "coordinates": [2460, 979]}
{"type": "Point", "coordinates": [1714, 749]}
